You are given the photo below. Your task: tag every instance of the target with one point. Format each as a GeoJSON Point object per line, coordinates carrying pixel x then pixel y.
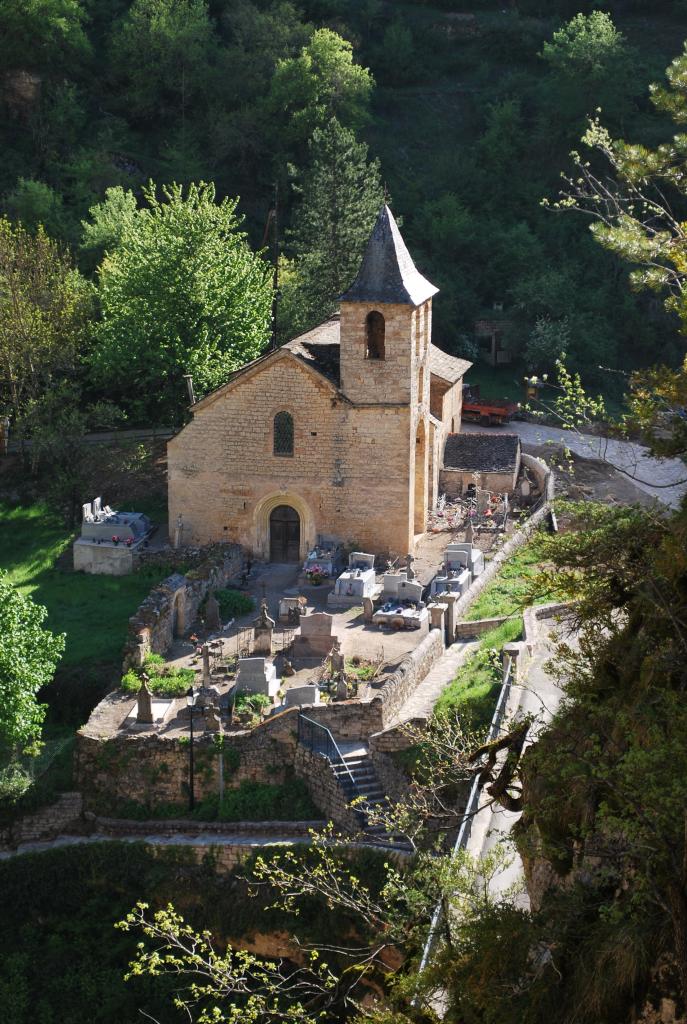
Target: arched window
{"type": "Point", "coordinates": [374, 335]}
{"type": "Point", "coordinates": [283, 433]}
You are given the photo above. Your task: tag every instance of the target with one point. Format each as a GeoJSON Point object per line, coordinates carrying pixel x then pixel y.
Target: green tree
{"type": "Point", "coordinates": [28, 658]}
{"type": "Point", "coordinates": [181, 293]}
{"type": "Point", "coordinates": [320, 84]}
{"type": "Point", "coordinates": [108, 221]}
{"type": "Point", "coordinates": [176, 39]}
{"type": "Point", "coordinates": [34, 203]}
{"type": "Point", "coordinates": [45, 307]}
{"type": "Point", "coordinates": [547, 343]}
{"type": "Point", "coordinates": [340, 196]}
{"type": "Point", "coordinates": [42, 34]}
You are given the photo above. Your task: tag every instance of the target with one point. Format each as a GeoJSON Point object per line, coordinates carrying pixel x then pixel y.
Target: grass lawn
{"type": "Point", "coordinates": [472, 694]}
{"type": "Point", "coordinates": [507, 591]}
{"type": "Point", "coordinates": [92, 610]}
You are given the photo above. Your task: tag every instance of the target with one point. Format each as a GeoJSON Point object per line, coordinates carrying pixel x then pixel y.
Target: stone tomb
{"type": "Point", "coordinates": [316, 638]}
{"type": "Point", "coordinates": [298, 695]}
{"type": "Point", "coordinates": [357, 582]}
{"type": "Point", "coordinates": [466, 556]}
{"type": "Point", "coordinates": [456, 581]}
{"type": "Point", "coordinates": [257, 675]}
{"type": "Point", "coordinates": [402, 606]}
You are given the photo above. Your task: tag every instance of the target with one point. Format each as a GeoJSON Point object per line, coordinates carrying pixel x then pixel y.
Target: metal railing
{"type": "Point", "coordinates": [471, 808]}
{"type": "Point", "coordinates": [318, 738]}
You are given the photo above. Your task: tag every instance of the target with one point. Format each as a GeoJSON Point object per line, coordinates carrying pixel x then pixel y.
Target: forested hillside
{"type": "Point", "coordinates": [470, 110]}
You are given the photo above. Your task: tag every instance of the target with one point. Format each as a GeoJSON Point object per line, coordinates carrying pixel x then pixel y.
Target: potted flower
{"type": "Point", "coordinates": [115, 539]}
{"type": "Point", "coordinates": [316, 574]}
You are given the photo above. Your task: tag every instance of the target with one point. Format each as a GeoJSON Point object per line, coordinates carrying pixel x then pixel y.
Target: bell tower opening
{"type": "Point", "coordinates": [374, 335]}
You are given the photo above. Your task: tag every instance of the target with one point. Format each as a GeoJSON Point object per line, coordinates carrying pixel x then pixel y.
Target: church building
{"type": "Point", "coordinates": [338, 433]}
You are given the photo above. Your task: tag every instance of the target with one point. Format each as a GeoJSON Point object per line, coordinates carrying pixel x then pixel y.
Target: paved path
{"type": "Point", "coordinates": [421, 702]}
{"type": "Point", "coordinates": [538, 696]}
{"type": "Point", "coordinates": [172, 839]}
{"type": "Point", "coordinates": [665, 479]}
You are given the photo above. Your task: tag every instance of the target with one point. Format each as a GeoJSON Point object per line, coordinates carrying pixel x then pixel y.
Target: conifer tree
{"type": "Point", "coordinates": [341, 193]}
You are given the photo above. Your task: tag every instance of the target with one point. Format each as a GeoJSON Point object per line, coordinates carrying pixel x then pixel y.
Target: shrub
{"type": "Point", "coordinates": [233, 603]}
{"type": "Point", "coordinates": [163, 680]}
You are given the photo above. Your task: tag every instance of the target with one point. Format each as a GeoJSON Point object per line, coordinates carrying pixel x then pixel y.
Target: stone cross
{"type": "Point", "coordinates": [262, 628]}
{"type": "Point", "coordinates": [337, 660]}
{"type": "Point", "coordinates": [144, 701]}
{"type": "Point", "coordinates": [410, 572]}
{"type": "Point", "coordinates": [469, 531]}
{"type": "Point", "coordinates": [213, 619]}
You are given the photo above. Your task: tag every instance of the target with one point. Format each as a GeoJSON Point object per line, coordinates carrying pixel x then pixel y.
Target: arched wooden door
{"type": "Point", "coordinates": [285, 534]}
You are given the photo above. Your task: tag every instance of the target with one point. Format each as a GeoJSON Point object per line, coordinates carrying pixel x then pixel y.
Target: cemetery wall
{"type": "Point", "coordinates": [171, 608]}
{"type": "Point", "coordinates": [410, 673]}
{"type": "Point", "coordinates": [46, 823]}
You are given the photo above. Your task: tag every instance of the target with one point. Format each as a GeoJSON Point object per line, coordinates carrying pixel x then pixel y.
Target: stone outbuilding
{"type": "Point", "coordinates": [339, 432]}
{"type": "Point", "coordinates": [490, 461]}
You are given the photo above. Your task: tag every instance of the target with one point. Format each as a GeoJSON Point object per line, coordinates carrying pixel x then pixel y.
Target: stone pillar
{"type": "Point", "coordinates": [368, 609]}
{"type": "Point", "coordinates": [437, 620]}
{"type": "Point", "coordinates": [451, 602]}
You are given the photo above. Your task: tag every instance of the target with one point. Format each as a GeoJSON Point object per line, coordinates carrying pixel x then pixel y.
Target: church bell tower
{"type": "Point", "coordinates": [386, 324]}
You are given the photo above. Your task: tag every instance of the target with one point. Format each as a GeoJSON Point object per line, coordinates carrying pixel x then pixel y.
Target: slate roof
{"type": "Point", "coordinates": [449, 368]}
{"type": "Point", "coordinates": [387, 273]}
{"type": "Point", "coordinates": [320, 348]}
{"type": "Point", "coordinates": [482, 453]}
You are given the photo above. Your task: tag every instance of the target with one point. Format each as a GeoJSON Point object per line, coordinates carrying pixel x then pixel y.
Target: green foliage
{"type": "Point", "coordinates": [181, 293]}
{"type": "Point", "coordinates": [255, 702]}
{"type": "Point", "coordinates": [320, 84]}
{"type": "Point", "coordinates": [508, 592]}
{"type": "Point", "coordinates": [34, 203]}
{"type": "Point", "coordinates": [251, 801]}
{"type": "Point", "coordinates": [42, 34]}
{"type": "Point", "coordinates": [233, 603]}
{"type": "Point", "coordinates": [28, 658]}
{"type": "Point", "coordinates": [108, 221]}
{"type": "Point", "coordinates": [163, 680]}
{"type": "Point", "coordinates": [547, 344]}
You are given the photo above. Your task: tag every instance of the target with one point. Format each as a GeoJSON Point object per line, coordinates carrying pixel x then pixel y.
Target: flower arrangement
{"type": "Point", "coordinates": [316, 573]}
{"type": "Point", "coordinates": [115, 538]}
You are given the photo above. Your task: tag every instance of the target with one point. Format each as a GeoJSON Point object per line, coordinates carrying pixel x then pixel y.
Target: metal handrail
{"type": "Point", "coordinates": [471, 807]}
{"type": "Point", "coordinates": [331, 746]}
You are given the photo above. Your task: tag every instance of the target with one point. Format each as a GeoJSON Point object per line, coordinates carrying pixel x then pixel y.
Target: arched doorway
{"type": "Point", "coordinates": [285, 534]}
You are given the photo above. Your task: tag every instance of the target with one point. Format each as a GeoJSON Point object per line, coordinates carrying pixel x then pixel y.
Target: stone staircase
{"type": "Point", "coordinates": [358, 779]}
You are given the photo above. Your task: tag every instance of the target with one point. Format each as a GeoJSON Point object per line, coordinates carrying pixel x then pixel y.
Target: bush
{"type": "Point", "coordinates": [261, 801]}
{"type": "Point", "coordinates": [233, 603]}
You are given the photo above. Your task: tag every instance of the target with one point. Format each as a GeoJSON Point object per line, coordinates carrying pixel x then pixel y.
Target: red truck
{"type": "Point", "coordinates": [488, 412]}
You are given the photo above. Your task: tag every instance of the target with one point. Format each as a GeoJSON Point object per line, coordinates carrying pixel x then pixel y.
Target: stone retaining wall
{"type": "Point", "coordinates": [172, 607]}
{"type": "Point", "coordinates": [64, 815]}
{"type": "Point", "coordinates": [128, 827]}
{"type": "Point", "coordinates": [409, 674]}
{"type": "Point", "coordinates": [464, 630]}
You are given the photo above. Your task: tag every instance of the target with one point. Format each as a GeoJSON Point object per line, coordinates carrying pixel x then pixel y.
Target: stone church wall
{"type": "Point", "coordinates": [348, 476]}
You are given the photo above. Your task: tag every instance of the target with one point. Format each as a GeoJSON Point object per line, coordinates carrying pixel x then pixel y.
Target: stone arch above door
{"type": "Point", "coordinates": [263, 511]}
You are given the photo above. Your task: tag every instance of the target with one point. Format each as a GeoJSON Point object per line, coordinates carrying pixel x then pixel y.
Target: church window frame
{"type": "Point", "coordinates": [375, 336]}
{"type": "Point", "coordinates": [283, 434]}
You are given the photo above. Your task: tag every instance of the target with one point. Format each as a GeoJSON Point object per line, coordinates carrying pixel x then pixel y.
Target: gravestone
{"type": "Point", "coordinates": [316, 638]}
{"type": "Point", "coordinates": [302, 695]}
{"type": "Point", "coordinates": [262, 627]}
{"type": "Point", "coordinates": [337, 661]}
{"type": "Point", "coordinates": [257, 675]}
{"type": "Point", "coordinates": [213, 721]}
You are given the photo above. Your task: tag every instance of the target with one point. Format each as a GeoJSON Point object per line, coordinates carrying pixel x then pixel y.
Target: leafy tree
{"type": "Point", "coordinates": [341, 194]}
{"type": "Point", "coordinates": [34, 203]}
{"type": "Point", "coordinates": [28, 658]}
{"type": "Point", "coordinates": [320, 84]}
{"type": "Point", "coordinates": [176, 38]}
{"type": "Point", "coordinates": [109, 220]}
{"type": "Point", "coordinates": [41, 34]}
{"type": "Point", "coordinates": [547, 343]}
{"type": "Point", "coordinates": [181, 293]}
{"type": "Point", "coordinates": [44, 310]}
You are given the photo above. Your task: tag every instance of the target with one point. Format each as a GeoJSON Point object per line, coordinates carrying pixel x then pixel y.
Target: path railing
{"type": "Point", "coordinates": [471, 808]}
{"type": "Point", "coordinates": [318, 738]}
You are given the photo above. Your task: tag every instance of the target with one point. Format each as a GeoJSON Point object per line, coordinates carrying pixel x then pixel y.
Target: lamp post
{"type": "Point", "coordinates": [191, 697]}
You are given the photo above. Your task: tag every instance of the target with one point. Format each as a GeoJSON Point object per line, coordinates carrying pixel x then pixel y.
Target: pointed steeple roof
{"type": "Point", "coordinates": [387, 273]}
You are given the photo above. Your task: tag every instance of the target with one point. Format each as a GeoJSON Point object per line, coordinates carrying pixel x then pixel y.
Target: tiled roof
{"type": "Point", "coordinates": [387, 273]}
{"type": "Point", "coordinates": [482, 453]}
{"type": "Point", "coordinates": [449, 368]}
{"type": "Point", "coordinates": [320, 348]}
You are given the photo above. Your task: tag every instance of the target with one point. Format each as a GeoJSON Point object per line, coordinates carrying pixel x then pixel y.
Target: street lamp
{"type": "Point", "coordinates": [191, 697]}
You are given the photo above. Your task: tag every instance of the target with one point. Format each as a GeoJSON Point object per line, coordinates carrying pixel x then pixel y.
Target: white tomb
{"type": "Point", "coordinates": [257, 675]}
{"type": "Point", "coordinates": [355, 583]}
{"type": "Point", "coordinates": [465, 555]}
{"type": "Point", "coordinates": [456, 581]}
